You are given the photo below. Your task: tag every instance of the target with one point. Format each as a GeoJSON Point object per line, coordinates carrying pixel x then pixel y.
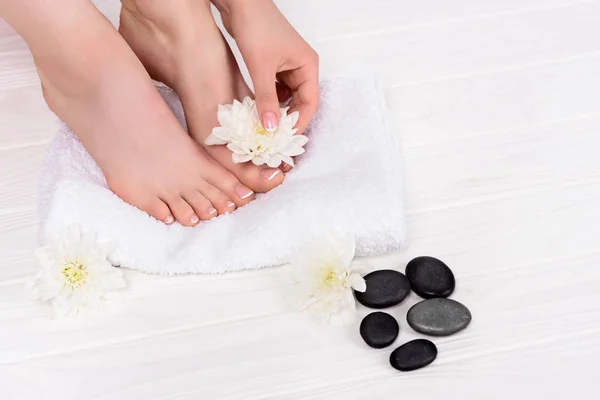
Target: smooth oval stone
{"type": "Point", "coordinates": [413, 355]}
{"type": "Point", "coordinates": [430, 277]}
{"type": "Point", "coordinates": [385, 288]}
{"type": "Point", "coordinates": [379, 329]}
{"type": "Point", "coordinates": [438, 317]}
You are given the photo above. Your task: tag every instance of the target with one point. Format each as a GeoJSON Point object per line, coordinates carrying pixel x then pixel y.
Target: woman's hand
{"type": "Point", "coordinates": [279, 60]}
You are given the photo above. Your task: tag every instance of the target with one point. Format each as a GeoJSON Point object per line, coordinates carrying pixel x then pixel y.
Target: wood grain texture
{"type": "Point", "coordinates": [497, 104]}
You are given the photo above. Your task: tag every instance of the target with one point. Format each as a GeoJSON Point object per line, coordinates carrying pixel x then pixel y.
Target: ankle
{"type": "Point", "coordinates": [74, 67]}
{"type": "Point", "coordinates": [177, 19]}
{"type": "Point", "coordinates": [227, 6]}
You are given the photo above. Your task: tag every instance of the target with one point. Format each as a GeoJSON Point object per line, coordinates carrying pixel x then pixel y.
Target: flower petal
{"type": "Point", "coordinates": [237, 148]}
{"type": "Point", "coordinates": [274, 161]}
{"type": "Point", "coordinates": [358, 283]}
{"type": "Point", "coordinates": [288, 160]}
{"type": "Point", "coordinates": [213, 140]}
{"type": "Point", "coordinates": [294, 117]}
{"type": "Point", "coordinates": [224, 114]}
{"type": "Point", "coordinates": [300, 140]}
{"type": "Point", "coordinates": [258, 160]}
{"type": "Point", "coordinates": [293, 151]}
{"type": "Point", "coordinates": [221, 133]}
{"type": "Point", "coordinates": [241, 158]}
{"type": "Point", "coordinates": [248, 102]}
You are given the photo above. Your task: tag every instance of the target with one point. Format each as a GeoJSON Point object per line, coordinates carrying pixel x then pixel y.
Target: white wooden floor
{"type": "Point", "coordinates": [498, 106]}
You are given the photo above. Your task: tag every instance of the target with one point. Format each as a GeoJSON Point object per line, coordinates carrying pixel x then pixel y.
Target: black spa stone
{"type": "Point", "coordinates": [430, 277]}
{"type": "Point", "coordinates": [379, 329]}
{"type": "Point", "coordinates": [438, 317]}
{"type": "Point", "coordinates": [385, 288]}
{"type": "Point", "coordinates": [413, 355]}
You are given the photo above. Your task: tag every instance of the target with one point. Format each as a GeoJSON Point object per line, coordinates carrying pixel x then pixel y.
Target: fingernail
{"type": "Point", "coordinates": [243, 191]}
{"type": "Point", "coordinates": [169, 220]}
{"type": "Point", "coordinates": [194, 219]}
{"type": "Point", "coordinates": [231, 204]}
{"type": "Point", "coordinates": [212, 210]}
{"type": "Point", "coordinates": [269, 174]}
{"type": "Point", "coordinates": [270, 121]}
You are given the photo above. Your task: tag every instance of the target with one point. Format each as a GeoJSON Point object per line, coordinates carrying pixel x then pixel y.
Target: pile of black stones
{"type": "Point", "coordinates": [437, 315]}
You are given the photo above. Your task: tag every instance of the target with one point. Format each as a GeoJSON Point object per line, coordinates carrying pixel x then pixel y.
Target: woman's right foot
{"type": "Point", "coordinates": [95, 83]}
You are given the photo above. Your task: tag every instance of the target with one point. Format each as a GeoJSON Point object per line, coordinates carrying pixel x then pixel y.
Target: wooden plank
{"type": "Point", "coordinates": [281, 356]}
{"type": "Point", "coordinates": [25, 120]}
{"type": "Point", "coordinates": [456, 171]}
{"type": "Point", "coordinates": [472, 105]}
{"type": "Point", "coordinates": [436, 52]}
{"type": "Point", "coordinates": [19, 172]}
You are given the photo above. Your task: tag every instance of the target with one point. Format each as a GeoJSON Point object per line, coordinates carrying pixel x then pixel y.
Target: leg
{"type": "Point", "coordinates": [179, 44]}
{"type": "Point", "coordinates": [93, 81]}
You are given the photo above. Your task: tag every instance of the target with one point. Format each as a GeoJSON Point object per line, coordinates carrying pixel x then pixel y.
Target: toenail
{"type": "Point", "coordinates": [194, 219]}
{"type": "Point", "coordinates": [231, 204]}
{"type": "Point", "coordinates": [270, 121]}
{"type": "Point", "coordinates": [212, 210]}
{"type": "Point", "coordinates": [169, 220]}
{"type": "Point", "coordinates": [243, 191]}
{"type": "Point", "coordinates": [269, 174]}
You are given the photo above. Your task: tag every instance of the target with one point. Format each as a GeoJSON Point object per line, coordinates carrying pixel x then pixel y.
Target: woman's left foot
{"type": "Point", "coordinates": [180, 45]}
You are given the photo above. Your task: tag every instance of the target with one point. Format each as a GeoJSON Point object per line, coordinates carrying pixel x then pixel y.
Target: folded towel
{"type": "Point", "coordinates": [348, 180]}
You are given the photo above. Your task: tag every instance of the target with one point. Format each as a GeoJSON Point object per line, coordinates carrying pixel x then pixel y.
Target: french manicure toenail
{"type": "Point", "coordinates": [231, 204]}
{"type": "Point", "coordinates": [243, 191]}
{"type": "Point", "coordinates": [269, 174]}
{"type": "Point", "coordinates": [194, 219]}
{"type": "Point", "coordinates": [270, 121]}
{"type": "Point", "coordinates": [169, 220]}
{"type": "Point", "coordinates": [212, 210]}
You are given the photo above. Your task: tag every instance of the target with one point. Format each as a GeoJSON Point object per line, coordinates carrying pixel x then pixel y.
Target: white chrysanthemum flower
{"type": "Point", "coordinates": [76, 274]}
{"type": "Point", "coordinates": [243, 133]}
{"type": "Point", "coordinates": [326, 278]}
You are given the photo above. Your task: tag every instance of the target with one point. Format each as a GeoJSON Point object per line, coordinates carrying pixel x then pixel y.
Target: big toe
{"type": "Point", "coordinates": [260, 179]}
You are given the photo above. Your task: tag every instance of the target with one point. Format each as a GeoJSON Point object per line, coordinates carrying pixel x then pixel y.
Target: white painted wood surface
{"type": "Point", "coordinates": [498, 107]}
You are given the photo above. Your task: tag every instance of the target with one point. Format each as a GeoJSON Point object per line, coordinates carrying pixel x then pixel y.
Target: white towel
{"type": "Point", "coordinates": [348, 180]}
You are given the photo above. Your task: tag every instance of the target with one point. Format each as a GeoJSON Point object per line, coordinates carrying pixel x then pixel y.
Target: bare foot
{"type": "Point", "coordinates": [180, 45]}
{"type": "Point", "coordinates": [95, 83]}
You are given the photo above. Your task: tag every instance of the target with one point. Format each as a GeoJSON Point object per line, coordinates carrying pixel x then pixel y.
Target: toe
{"type": "Point", "coordinates": [182, 211]}
{"type": "Point", "coordinates": [159, 210]}
{"type": "Point", "coordinates": [242, 192]}
{"type": "Point", "coordinates": [273, 176]}
{"type": "Point", "coordinates": [259, 179]}
{"type": "Point", "coordinates": [219, 200]}
{"type": "Point", "coordinates": [202, 206]}
{"type": "Point", "coordinates": [285, 167]}
{"type": "Point", "coordinates": [227, 183]}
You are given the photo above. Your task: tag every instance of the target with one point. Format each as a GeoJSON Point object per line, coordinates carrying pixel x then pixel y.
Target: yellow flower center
{"type": "Point", "coordinates": [75, 274]}
{"type": "Point", "coordinates": [259, 130]}
{"type": "Point", "coordinates": [332, 278]}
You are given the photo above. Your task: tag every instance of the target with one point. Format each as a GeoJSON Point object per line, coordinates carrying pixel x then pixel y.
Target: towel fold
{"type": "Point", "coordinates": [349, 180]}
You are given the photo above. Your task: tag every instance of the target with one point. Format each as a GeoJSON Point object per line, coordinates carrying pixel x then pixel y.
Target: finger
{"type": "Point", "coordinates": [304, 83]}
{"type": "Point", "coordinates": [283, 92]}
{"type": "Point", "coordinates": [265, 94]}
